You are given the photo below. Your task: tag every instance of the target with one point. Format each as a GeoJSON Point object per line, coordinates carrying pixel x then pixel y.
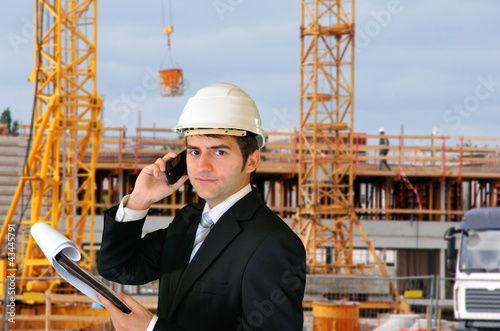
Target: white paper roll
{"type": "Point", "coordinates": [52, 242]}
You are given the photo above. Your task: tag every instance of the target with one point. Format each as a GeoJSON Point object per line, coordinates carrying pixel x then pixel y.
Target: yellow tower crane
{"type": "Point", "coordinates": [326, 135]}
{"type": "Point", "coordinates": [65, 127]}
{"type": "Point", "coordinates": [325, 218]}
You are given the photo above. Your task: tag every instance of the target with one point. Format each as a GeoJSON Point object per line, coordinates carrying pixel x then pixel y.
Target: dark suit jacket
{"type": "Point", "coordinates": [249, 273]}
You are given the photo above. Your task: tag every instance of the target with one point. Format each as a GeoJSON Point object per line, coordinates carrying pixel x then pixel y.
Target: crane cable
{"type": "Point", "coordinates": [165, 29]}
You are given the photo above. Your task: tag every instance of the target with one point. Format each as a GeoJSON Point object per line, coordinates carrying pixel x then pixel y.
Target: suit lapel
{"type": "Point", "coordinates": [226, 229]}
{"type": "Point", "coordinates": [180, 261]}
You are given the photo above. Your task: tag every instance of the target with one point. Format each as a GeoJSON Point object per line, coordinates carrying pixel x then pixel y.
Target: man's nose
{"type": "Point", "coordinates": [205, 162]}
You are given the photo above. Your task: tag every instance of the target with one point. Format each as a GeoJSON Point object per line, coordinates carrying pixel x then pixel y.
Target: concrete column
{"type": "Point", "coordinates": [442, 273]}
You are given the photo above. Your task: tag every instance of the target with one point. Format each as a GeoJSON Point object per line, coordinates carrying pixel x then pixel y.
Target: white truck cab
{"type": "Point", "coordinates": [476, 293]}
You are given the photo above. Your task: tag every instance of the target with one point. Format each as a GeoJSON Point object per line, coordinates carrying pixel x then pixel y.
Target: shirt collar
{"type": "Point", "coordinates": [219, 210]}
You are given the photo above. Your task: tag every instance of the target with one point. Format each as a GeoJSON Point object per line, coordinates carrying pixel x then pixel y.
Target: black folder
{"type": "Point", "coordinates": [91, 281]}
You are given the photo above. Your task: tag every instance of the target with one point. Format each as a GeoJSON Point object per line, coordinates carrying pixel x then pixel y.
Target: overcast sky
{"type": "Point", "coordinates": [421, 64]}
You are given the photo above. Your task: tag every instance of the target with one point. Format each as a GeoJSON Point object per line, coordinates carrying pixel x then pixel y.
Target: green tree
{"type": "Point", "coordinates": [6, 118]}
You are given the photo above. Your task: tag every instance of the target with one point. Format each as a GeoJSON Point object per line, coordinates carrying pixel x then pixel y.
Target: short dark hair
{"type": "Point", "coordinates": [248, 144]}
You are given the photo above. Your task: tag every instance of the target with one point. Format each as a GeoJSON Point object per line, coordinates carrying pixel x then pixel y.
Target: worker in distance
{"type": "Point", "coordinates": [227, 263]}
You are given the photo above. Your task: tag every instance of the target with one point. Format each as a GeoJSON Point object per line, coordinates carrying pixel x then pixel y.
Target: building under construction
{"type": "Point", "coordinates": [433, 180]}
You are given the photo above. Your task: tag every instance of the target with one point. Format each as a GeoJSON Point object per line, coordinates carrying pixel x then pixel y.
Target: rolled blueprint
{"type": "Point", "coordinates": [52, 242]}
{"type": "Point", "coordinates": [61, 253]}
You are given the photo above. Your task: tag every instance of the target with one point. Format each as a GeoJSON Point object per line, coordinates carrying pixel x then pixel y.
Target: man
{"type": "Point", "coordinates": [384, 151]}
{"type": "Point", "coordinates": [229, 263]}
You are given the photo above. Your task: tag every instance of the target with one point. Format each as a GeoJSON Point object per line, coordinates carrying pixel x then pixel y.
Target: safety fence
{"type": "Point", "coordinates": [432, 154]}
{"type": "Point", "coordinates": [362, 303]}
{"type": "Point", "coordinates": [340, 303]}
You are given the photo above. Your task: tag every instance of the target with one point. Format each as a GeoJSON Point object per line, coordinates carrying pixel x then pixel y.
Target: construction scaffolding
{"type": "Point", "coordinates": [65, 125]}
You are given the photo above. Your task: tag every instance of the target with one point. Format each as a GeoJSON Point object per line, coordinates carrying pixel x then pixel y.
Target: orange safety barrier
{"type": "Point", "coordinates": [339, 315]}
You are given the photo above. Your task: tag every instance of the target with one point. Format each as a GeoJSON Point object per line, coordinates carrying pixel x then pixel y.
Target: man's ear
{"type": "Point", "coordinates": [252, 161]}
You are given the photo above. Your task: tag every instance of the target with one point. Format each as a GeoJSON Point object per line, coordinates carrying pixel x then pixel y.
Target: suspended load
{"type": "Point", "coordinates": [171, 78]}
{"type": "Point", "coordinates": [171, 82]}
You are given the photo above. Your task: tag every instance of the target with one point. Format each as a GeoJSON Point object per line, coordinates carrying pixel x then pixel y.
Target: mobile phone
{"type": "Point", "coordinates": [176, 168]}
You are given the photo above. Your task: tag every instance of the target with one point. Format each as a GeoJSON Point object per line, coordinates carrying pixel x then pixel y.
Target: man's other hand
{"type": "Point", "coordinates": [137, 320]}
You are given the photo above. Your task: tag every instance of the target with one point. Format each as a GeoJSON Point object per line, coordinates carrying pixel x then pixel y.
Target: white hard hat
{"type": "Point", "coordinates": [223, 109]}
{"type": "Point", "coordinates": [381, 130]}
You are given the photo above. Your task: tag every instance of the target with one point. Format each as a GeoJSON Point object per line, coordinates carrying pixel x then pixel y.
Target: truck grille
{"type": "Point", "coordinates": [482, 300]}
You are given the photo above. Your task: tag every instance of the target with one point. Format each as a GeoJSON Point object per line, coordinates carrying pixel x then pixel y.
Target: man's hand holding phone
{"type": "Point", "coordinates": [152, 184]}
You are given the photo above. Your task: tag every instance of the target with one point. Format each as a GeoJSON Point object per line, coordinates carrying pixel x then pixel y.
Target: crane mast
{"type": "Point", "coordinates": [323, 218]}
{"type": "Point", "coordinates": [65, 130]}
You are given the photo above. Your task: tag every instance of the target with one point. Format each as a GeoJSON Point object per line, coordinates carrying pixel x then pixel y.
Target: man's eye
{"type": "Point", "coordinates": [220, 153]}
{"type": "Point", "coordinates": [194, 152]}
